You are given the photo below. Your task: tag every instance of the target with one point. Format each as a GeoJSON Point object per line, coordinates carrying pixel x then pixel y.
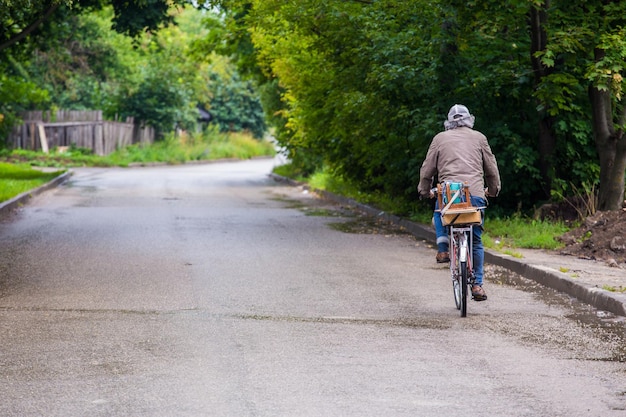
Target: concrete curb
{"type": "Point", "coordinates": [552, 278]}
{"type": "Point", "coordinates": [548, 277]}
{"type": "Point", "coordinates": [8, 206]}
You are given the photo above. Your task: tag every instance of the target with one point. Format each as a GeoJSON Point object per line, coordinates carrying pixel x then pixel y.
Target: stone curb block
{"type": "Point", "coordinates": [551, 278]}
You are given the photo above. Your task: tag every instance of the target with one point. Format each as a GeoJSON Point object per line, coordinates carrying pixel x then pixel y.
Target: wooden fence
{"type": "Point", "coordinates": [84, 129]}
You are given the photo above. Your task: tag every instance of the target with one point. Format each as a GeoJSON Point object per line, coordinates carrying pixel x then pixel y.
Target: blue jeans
{"type": "Point", "coordinates": [478, 251]}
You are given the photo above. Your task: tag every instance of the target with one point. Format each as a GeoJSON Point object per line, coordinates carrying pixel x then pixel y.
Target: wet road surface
{"type": "Point", "coordinates": [210, 290]}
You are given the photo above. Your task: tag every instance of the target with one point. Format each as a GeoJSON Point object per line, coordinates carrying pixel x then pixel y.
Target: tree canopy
{"type": "Point", "coordinates": [364, 85]}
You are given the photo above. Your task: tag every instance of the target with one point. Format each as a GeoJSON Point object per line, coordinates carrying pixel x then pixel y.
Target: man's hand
{"type": "Point", "coordinates": [488, 194]}
{"type": "Point", "coordinates": [430, 194]}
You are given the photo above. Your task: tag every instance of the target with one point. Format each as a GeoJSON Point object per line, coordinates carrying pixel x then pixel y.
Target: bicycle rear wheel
{"type": "Point", "coordinates": [454, 272]}
{"type": "Point", "coordinates": [462, 281]}
{"type": "Point", "coordinates": [456, 287]}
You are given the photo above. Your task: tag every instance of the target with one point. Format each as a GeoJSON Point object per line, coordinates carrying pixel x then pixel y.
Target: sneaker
{"type": "Point", "coordinates": [442, 257]}
{"type": "Point", "coordinates": [478, 294]}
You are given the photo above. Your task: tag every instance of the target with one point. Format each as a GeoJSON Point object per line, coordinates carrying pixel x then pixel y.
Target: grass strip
{"type": "Point", "coordinates": [502, 234]}
{"type": "Point", "coordinates": [18, 179]}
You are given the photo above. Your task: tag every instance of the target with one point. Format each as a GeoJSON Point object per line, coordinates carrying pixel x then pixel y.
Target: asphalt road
{"type": "Point", "coordinates": [211, 290]}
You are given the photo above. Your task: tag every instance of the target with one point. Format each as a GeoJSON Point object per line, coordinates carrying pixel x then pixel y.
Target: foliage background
{"type": "Point", "coordinates": [365, 85]}
{"type": "Point", "coordinates": [354, 88]}
{"type": "Point", "coordinates": [76, 61]}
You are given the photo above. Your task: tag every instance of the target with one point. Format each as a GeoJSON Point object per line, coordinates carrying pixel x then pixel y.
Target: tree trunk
{"type": "Point", "coordinates": [546, 146]}
{"type": "Point", "coordinates": [611, 147]}
{"type": "Point", "coordinates": [546, 141]}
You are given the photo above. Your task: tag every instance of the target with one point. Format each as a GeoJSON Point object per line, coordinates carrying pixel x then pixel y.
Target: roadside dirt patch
{"type": "Point", "coordinates": [601, 237]}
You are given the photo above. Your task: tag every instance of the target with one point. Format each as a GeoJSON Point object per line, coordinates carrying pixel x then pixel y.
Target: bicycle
{"type": "Point", "coordinates": [460, 217]}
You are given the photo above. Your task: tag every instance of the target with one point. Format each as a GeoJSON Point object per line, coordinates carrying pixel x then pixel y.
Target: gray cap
{"type": "Point", "coordinates": [459, 116]}
{"type": "Point", "coordinates": [458, 111]}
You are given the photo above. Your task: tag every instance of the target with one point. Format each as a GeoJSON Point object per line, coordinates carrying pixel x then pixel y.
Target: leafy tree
{"type": "Point", "coordinates": [168, 83]}
{"type": "Point", "coordinates": [484, 63]}
{"type": "Point", "coordinates": [365, 84]}
{"type": "Point", "coordinates": [48, 29]}
{"type": "Point", "coordinates": [228, 36]}
{"type": "Point", "coordinates": [159, 101]}
{"type": "Point", "coordinates": [16, 95]}
{"type": "Point", "coordinates": [84, 63]}
{"type": "Point", "coordinates": [353, 94]}
{"type": "Point", "coordinates": [581, 56]}
{"type": "Point", "coordinates": [235, 104]}
{"type": "Point", "coordinates": [21, 19]}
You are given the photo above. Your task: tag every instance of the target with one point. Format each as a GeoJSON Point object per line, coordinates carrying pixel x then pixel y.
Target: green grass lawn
{"type": "Point", "coordinates": [17, 179]}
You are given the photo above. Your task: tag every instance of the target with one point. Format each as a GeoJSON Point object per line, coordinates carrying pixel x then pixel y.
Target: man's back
{"type": "Point", "coordinates": [462, 155]}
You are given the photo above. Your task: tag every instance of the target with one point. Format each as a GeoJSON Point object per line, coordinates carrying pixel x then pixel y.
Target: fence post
{"type": "Point", "coordinates": [42, 138]}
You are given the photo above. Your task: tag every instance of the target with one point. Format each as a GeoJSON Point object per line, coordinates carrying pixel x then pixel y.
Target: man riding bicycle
{"type": "Point", "coordinates": [461, 154]}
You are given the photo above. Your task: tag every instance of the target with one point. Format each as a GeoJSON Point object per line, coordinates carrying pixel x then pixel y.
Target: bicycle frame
{"type": "Point", "coordinates": [460, 237]}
